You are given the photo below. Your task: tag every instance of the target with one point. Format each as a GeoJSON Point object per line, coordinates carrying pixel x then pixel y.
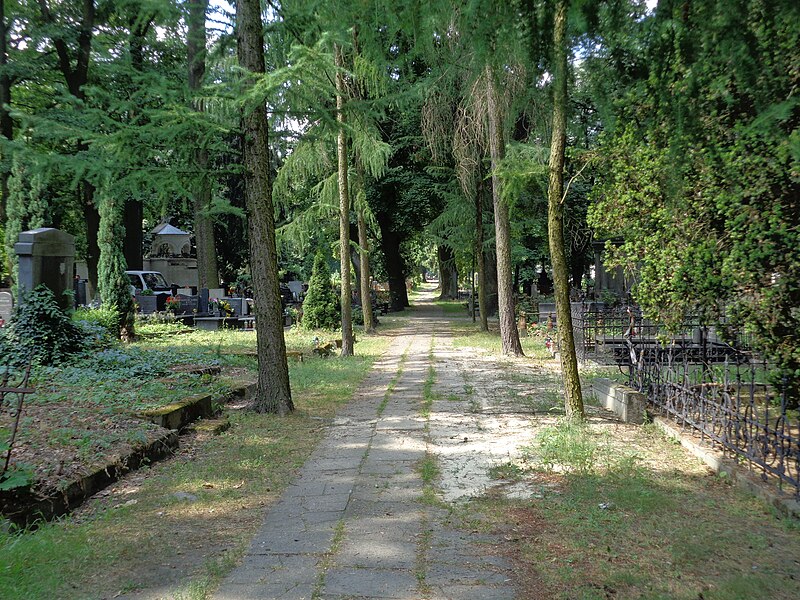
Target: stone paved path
{"type": "Point", "coordinates": [354, 525]}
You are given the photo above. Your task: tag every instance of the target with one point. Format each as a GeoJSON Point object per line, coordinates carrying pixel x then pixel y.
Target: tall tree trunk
{"type": "Point", "coordinates": [132, 244]}
{"type": "Point", "coordinates": [75, 79]}
{"type": "Point", "coordinates": [132, 213]}
{"type": "Point", "coordinates": [273, 392]}
{"type": "Point", "coordinates": [480, 257]}
{"type": "Point", "coordinates": [366, 295]}
{"type": "Point", "coordinates": [395, 267]}
{"type": "Point", "coordinates": [344, 209]}
{"type": "Point", "coordinates": [355, 264]}
{"type": "Point", "coordinates": [505, 294]}
{"type": "Point", "coordinates": [92, 218]}
{"type": "Point", "coordinates": [207, 268]}
{"type": "Point", "coordinates": [555, 218]}
{"type": "Point", "coordinates": [448, 274]}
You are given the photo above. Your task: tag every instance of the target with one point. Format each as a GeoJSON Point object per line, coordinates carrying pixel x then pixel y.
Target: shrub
{"type": "Point", "coordinates": [321, 306]}
{"type": "Point", "coordinates": [40, 331]}
{"type": "Point", "coordinates": [99, 325]}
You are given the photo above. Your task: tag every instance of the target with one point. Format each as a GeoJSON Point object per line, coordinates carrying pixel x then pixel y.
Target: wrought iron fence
{"type": "Point", "coordinates": [721, 389]}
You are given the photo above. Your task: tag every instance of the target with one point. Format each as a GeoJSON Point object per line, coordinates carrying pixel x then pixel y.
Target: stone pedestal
{"type": "Point", "coordinates": [46, 256]}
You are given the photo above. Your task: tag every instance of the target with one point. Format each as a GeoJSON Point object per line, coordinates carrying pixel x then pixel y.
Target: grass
{"type": "Point", "coordinates": [623, 512]}
{"type": "Point", "coordinates": [469, 335]}
{"type": "Point", "coordinates": [328, 558]}
{"type": "Point", "coordinates": [648, 523]}
{"type": "Point", "coordinates": [143, 534]}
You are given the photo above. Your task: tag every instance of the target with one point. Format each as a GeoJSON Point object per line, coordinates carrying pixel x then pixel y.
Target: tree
{"type": "Point", "coordinates": [79, 32]}
{"type": "Point", "coordinates": [320, 307]}
{"type": "Point", "coordinates": [555, 217]}
{"type": "Point", "coordinates": [508, 325]}
{"type": "Point", "coordinates": [6, 123]}
{"type": "Point", "coordinates": [700, 177]}
{"type": "Point", "coordinates": [113, 283]}
{"type": "Point", "coordinates": [363, 249]}
{"type": "Point", "coordinates": [207, 272]}
{"type": "Point", "coordinates": [344, 207]}
{"type": "Point", "coordinates": [273, 391]}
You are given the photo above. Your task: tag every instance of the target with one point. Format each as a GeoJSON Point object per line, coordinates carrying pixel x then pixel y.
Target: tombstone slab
{"type": "Point", "coordinates": [46, 256]}
{"type": "Point", "coordinates": [6, 306]}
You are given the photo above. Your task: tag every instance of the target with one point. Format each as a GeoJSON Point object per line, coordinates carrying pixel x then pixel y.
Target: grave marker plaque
{"type": "Point", "coordinates": [6, 306]}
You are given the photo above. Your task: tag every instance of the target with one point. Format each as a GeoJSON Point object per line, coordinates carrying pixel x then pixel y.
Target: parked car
{"type": "Point", "coordinates": [148, 280]}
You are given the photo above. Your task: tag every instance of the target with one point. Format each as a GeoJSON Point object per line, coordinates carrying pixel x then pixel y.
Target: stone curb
{"type": "Point", "coordinates": [22, 507]}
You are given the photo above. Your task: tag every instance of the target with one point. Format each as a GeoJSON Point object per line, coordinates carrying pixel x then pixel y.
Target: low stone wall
{"type": "Point", "coordinates": [626, 402]}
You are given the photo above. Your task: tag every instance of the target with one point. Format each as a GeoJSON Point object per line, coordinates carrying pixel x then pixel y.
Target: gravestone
{"type": "Point", "coordinates": [46, 256]}
{"type": "Point", "coordinates": [202, 302]}
{"type": "Point", "coordinates": [6, 306]}
{"type": "Point", "coordinates": [189, 304]}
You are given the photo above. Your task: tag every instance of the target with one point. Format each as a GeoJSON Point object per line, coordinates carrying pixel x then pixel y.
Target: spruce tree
{"type": "Point", "coordinates": [320, 307]}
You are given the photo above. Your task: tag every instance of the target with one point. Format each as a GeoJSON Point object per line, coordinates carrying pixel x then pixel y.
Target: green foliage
{"type": "Point", "coordinates": [569, 445]}
{"type": "Point", "coordinates": [40, 331]}
{"type": "Point", "coordinates": [101, 323]}
{"type": "Point", "coordinates": [26, 206]}
{"type": "Point", "coordinates": [321, 305]}
{"type": "Point", "coordinates": [702, 184]}
{"type": "Point", "coordinates": [113, 282]}
{"type": "Point", "coordinates": [15, 477]}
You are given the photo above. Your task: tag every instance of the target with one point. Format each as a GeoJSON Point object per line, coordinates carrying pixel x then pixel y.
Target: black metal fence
{"type": "Point", "coordinates": [721, 389]}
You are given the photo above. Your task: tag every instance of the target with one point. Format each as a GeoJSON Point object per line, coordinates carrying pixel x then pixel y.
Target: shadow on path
{"type": "Point", "coordinates": [354, 524]}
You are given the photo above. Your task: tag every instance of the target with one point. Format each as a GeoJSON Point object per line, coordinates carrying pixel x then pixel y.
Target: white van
{"type": "Point", "coordinates": [147, 280]}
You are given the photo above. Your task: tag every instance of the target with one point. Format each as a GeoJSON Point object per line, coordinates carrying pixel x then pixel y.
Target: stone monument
{"type": "Point", "coordinates": [46, 256]}
{"type": "Point", "coordinates": [6, 306]}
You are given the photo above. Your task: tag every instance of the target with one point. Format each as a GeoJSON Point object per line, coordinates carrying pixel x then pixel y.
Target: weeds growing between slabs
{"type": "Point", "coordinates": [186, 519]}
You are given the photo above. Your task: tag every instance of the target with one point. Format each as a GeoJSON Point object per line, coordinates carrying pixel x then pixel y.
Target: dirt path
{"type": "Point", "coordinates": [363, 519]}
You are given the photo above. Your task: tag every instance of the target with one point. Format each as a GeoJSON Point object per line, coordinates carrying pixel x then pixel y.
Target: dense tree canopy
{"type": "Point", "coordinates": [681, 140]}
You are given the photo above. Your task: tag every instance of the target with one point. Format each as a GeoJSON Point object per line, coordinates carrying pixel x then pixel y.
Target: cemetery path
{"type": "Point", "coordinates": [370, 513]}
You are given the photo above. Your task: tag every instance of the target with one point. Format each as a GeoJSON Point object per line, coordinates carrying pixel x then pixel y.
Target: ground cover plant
{"type": "Point", "coordinates": [189, 518]}
{"type": "Point", "coordinates": [85, 413]}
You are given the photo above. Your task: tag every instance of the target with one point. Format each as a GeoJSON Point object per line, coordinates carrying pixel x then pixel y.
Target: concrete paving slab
{"type": "Point", "coordinates": [235, 591]}
{"type": "Point", "coordinates": [371, 583]}
{"type": "Point", "coordinates": [364, 475]}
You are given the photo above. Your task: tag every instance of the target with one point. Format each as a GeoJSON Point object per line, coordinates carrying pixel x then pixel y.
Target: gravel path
{"type": "Point", "coordinates": [358, 522]}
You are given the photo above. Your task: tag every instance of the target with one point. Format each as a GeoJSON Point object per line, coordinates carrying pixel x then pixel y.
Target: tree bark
{"type": "Point", "coordinates": [273, 391]}
{"type": "Point", "coordinates": [448, 275]}
{"type": "Point", "coordinates": [207, 268]}
{"type": "Point", "coordinates": [366, 295]}
{"type": "Point", "coordinates": [505, 294]}
{"type": "Point", "coordinates": [555, 218]}
{"type": "Point", "coordinates": [483, 306]}
{"type": "Point", "coordinates": [395, 267]}
{"type": "Point", "coordinates": [344, 209]}
{"type": "Point", "coordinates": [92, 217]}
{"type": "Point", "coordinates": [132, 244]}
